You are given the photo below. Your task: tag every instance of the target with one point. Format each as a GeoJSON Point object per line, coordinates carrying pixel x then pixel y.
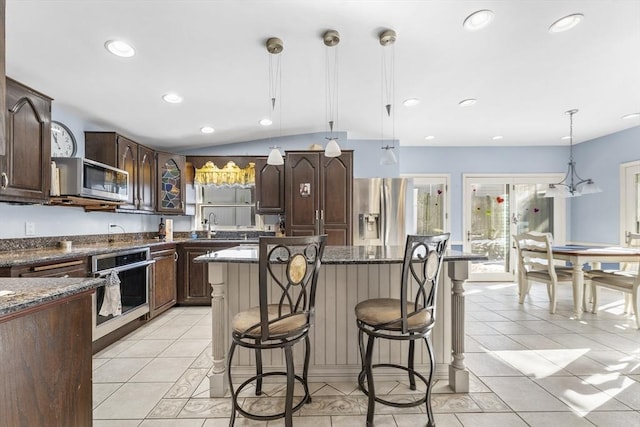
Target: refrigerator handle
{"type": "Point", "coordinates": [384, 226]}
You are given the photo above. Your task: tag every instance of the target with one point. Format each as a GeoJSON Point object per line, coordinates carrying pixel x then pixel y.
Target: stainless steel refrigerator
{"type": "Point", "coordinates": [379, 211]}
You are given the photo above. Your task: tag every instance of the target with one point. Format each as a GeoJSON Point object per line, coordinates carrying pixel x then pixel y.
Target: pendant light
{"type": "Point", "coordinates": [274, 47]}
{"type": "Point", "coordinates": [331, 39]}
{"type": "Point", "coordinates": [387, 40]}
{"type": "Point", "coordinates": [572, 185]}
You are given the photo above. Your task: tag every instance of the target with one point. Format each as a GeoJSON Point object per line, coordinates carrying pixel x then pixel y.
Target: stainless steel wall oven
{"type": "Point", "coordinates": [132, 268]}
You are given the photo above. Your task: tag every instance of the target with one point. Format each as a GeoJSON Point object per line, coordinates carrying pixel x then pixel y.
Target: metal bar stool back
{"type": "Point", "coordinates": [409, 318]}
{"type": "Point", "coordinates": [287, 279]}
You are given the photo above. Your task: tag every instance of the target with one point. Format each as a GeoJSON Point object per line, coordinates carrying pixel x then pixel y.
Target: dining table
{"type": "Point", "coordinates": [579, 255]}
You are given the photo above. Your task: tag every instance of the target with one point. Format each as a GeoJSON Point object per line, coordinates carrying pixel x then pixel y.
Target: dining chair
{"type": "Point", "coordinates": [536, 264]}
{"type": "Point", "coordinates": [409, 318]}
{"type": "Point", "coordinates": [287, 279]}
{"type": "Point", "coordinates": [625, 280]}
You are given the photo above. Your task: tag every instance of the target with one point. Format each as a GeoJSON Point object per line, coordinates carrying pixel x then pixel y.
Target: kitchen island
{"type": "Point", "coordinates": [45, 351]}
{"type": "Point", "coordinates": [349, 274]}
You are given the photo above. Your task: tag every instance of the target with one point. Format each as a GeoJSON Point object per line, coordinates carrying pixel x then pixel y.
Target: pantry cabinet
{"type": "Point", "coordinates": [318, 195]}
{"type": "Point", "coordinates": [25, 172]}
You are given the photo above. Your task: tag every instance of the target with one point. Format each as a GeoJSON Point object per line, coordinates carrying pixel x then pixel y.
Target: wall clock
{"type": "Point", "coordinates": [63, 143]}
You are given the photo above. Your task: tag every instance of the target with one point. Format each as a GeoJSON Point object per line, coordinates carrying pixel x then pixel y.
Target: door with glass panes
{"type": "Point", "coordinates": [498, 207]}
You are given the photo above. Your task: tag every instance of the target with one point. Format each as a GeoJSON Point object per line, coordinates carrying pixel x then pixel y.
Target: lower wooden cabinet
{"type": "Point", "coordinates": [163, 292]}
{"type": "Point", "coordinates": [46, 364]}
{"type": "Point", "coordinates": [64, 268]}
{"type": "Point", "coordinates": [193, 279]}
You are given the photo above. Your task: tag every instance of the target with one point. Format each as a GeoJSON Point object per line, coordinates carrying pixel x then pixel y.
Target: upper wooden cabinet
{"type": "Point", "coordinates": [118, 151]}
{"type": "Point", "coordinates": [171, 178]}
{"type": "Point", "coordinates": [269, 187]}
{"type": "Point", "coordinates": [318, 195]}
{"type": "Point", "coordinates": [25, 171]}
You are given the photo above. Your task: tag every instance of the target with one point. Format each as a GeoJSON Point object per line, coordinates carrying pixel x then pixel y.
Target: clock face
{"type": "Point", "coordinates": [63, 143]}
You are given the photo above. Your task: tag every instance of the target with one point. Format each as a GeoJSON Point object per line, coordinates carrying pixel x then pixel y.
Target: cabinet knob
{"type": "Point", "coordinates": [175, 256]}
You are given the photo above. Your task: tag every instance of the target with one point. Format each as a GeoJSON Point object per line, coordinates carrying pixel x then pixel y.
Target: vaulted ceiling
{"type": "Point", "coordinates": [213, 54]}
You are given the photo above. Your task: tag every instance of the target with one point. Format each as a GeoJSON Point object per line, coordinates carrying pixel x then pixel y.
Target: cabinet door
{"type": "Point", "coordinates": [194, 286]}
{"type": "Point", "coordinates": [26, 173]}
{"type": "Point", "coordinates": [171, 183]}
{"type": "Point", "coordinates": [128, 161]}
{"type": "Point", "coordinates": [163, 281]}
{"type": "Point", "coordinates": [146, 179]}
{"type": "Point", "coordinates": [337, 189]}
{"type": "Point", "coordinates": [269, 187]}
{"type": "Point", "coordinates": [302, 188]}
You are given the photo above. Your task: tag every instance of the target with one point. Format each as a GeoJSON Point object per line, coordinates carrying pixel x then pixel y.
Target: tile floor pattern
{"type": "Point", "coordinates": [528, 367]}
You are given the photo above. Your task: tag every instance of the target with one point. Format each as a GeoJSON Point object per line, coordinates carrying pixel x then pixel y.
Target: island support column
{"type": "Point", "coordinates": [217, 375]}
{"type": "Point", "coordinates": [458, 373]}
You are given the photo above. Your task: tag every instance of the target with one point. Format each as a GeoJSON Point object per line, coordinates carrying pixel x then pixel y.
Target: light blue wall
{"type": "Point", "coordinates": [596, 217]}
{"type": "Point", "coordinates": [593, 218]}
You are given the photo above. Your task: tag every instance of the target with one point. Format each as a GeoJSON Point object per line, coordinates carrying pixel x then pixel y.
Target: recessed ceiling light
{"type": "Point", "coordinates": [467, 102]}
{"type": "Point", "coordinates": [266, 122]}
{"type": "Point", "coordinates": [172, 98]}
{"type": "Point", "coordinates": [120, 48]}
{"type": "Point", "coordinates": [410, 102]}
{"type": "Point", "coordinates": [478, 20]}
{"type": "Point", "coordinates": [429, 138]}
{"type": "Point", "coordinates": [497, 137]}
{"type": "Point", "coordinates": [207, 129]}
{"type": "Point", "coordinates": [566, 23]}
{"type": "Point", "coordinates": [631, 116]}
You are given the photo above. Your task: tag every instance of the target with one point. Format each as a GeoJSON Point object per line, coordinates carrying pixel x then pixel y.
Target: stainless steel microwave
{"type": "Point", "coordinates": [88, 178]}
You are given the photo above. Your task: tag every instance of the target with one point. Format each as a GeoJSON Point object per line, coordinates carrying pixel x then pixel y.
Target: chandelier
{"type": "Point", "coordinates": [572, 185]}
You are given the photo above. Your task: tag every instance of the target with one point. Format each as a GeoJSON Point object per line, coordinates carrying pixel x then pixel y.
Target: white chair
{"type": "Point", "coordinates": [536, 264]}
{"type": "Point", "coordinates": [625, 280]}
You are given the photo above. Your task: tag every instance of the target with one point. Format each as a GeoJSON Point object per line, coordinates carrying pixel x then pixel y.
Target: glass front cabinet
{"type": "Point", "coordinates": [171, 183]}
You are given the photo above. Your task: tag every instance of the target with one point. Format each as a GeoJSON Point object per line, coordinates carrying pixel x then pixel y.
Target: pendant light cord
{"type": "Point", "coordinates": [331, 85]}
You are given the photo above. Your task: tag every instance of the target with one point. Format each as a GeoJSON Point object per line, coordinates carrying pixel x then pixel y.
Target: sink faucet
{"type": "Point", "coordinates": [210, 225]}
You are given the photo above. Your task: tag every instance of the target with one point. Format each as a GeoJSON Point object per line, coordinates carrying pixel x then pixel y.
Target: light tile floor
{"type": "Point", "coordinates": [528, 367]}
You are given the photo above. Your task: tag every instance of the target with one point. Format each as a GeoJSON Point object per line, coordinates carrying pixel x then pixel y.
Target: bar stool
{"type": "Point", "coordinates": [404, 320]}
{"type": "Point", "coordinates": [287, 278]}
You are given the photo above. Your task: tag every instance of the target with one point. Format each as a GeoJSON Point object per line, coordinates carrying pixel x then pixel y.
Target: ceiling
{"type": "Point", "coordinates": [213, 54]}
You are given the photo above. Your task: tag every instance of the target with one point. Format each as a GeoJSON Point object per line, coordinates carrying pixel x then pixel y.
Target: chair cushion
{"type": "Point", "coordinates": [562, 275]}
{"type": "Point", "coordinates": [244, 320]}
{"type": "Point", "coordinates": [379, 311]}
{"type": "Point", "coordinates": [621, 282]}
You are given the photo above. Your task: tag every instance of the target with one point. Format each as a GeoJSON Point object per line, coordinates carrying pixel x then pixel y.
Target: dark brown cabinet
{"type": "Point", "coordinates": [171, 179]}
{"type": "Point", "coordinates": [163, 292]}
{"type": "Point", "coordinates": [76, 267]}
{"type": "Point", "coordinates": [193, 279]}
{"type": "Point", "coordinates": [25, 171]}
{"type": "Point", "coordinates": [46, 364]}
{"type": "Point", "coordinates": [318, 195]}
{"type": "Point", "coordinates": [118, 151]}
{"type": "Point", "coordinates": [269, 187]}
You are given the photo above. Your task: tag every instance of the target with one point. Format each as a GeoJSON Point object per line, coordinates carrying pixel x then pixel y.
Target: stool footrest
{"type": "Point", "coordinates": [305, 399]}
{"type": "Point", "coordinates": [362, 382]}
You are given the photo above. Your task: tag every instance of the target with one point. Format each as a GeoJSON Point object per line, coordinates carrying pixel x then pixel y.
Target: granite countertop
{"type": "Point", "coordinates": [31, 292]}
{"type": "Point", "coordinates": [30, 256]}
{"type": "Point", "coordinates": [335, 255]}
